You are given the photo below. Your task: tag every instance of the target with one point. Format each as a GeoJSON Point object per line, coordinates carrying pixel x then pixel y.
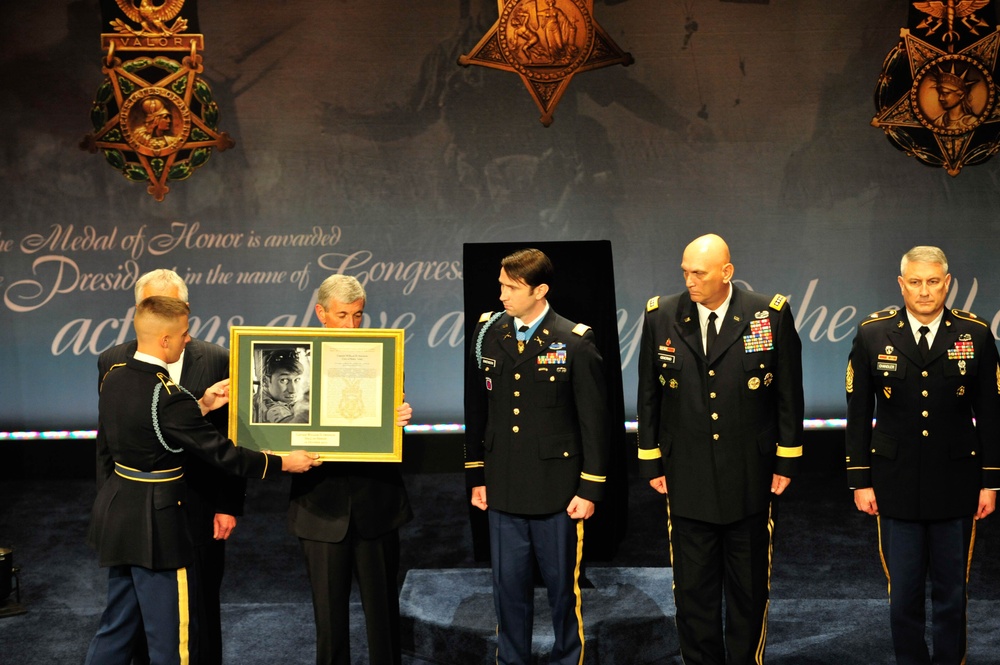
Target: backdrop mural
{"type": "Point", "coordinates": [362, 147]}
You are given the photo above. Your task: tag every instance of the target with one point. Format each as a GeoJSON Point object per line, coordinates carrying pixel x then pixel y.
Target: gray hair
{"type": "Point", "coordinates": [342, 288]}
{"type": "Point", "coordinates": [161, 280]}
{"type": "Point", "coordinates": [924, 254]}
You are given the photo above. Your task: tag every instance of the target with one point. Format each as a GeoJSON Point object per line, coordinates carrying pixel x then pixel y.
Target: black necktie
{"type": "Point", "coordinates": [922, 345]}
{"type": "Point", "coordinates": [713, 332]}
{"type": "Point", "coordinates": [521, 338]}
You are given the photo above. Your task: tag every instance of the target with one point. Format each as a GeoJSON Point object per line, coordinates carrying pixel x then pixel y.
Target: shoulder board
{"type": "Point", "coordinates": [110, 369]}
{"type": "Point", "coordinates": [580, 329]}
{"type": "Point", "coordinates": [168, 383]}
{"type": "Point", "coordinates": [653, 304]}
{"type": "Point", "coordinates": [778, 301]}
{"type": "Point", "coordinates": [881, 316]}
{"type": "Point", "coordinates": [485, 317]}
{"type": "Point", "coordinates": [969, 316]}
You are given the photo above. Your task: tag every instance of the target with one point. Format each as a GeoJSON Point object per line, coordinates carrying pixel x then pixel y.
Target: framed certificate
{"type": "Point", "coordinates": [331, 391]}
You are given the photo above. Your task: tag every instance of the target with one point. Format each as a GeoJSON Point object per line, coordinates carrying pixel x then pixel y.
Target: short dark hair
{"type": "Point", "coordinates": [277, 360]}
{"type": "Point", "coordinates": [530, 266]}
{"type": "Point", "coordinates": [162, 307]}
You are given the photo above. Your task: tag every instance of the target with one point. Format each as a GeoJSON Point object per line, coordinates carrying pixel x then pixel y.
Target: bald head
{"type": "Point", "coordinates": [707, 270]}
{"type": "Point", "coordinates": [161, 327]}
{"type": "Point", "coordinates": [710, 247]}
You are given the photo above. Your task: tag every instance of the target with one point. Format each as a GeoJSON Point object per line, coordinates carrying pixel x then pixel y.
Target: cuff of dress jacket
{"type": "Point", "coordinates": [589, 489]}
{"type": "Point", "coordinates": [859, 477]}
{"type": "Point", "coordinates": [475, 474]}
{"type": "Point", "coordinates": [991, 477]}
{"type": "Point", "coordinates": [650, 468]}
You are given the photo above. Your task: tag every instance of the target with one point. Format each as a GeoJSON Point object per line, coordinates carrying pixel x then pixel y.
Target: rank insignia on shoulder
{"type": "Point", "coordinates": [580, 329]}
{"type": "Point", "coordinates": [882, 315]}
{"type": "Point", "coordinates": [653, 304]}
{"type": "Point", "coordinates": [778, 301]}
{"type": "Point", "coordinates": [968, 316]}
{"type": "Point", "coordinates": [485, 316]}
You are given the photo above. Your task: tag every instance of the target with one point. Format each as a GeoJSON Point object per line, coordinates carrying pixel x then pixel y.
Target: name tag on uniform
{"type": "Point", "coordinates": [886, 367]}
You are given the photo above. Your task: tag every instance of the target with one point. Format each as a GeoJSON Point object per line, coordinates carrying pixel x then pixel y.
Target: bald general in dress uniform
{"type": "Point", "coordinates": [926, 469]}
{"type": "Point", "coordinates": [719, 433]}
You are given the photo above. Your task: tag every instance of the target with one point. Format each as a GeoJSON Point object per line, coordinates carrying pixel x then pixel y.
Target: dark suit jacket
{"type": "Point", "coordinates": [719, 427]}
{"type": "Point", "coordinates": [925, 458]}
{"type": "Point", "coordinates": [210, 491]}
{"type": "Point", "coordinates": [536, 423]}
{"type": "Point", "coordinates": [146, 523]}
{"type": "Point", "coordinates": [327, 499]}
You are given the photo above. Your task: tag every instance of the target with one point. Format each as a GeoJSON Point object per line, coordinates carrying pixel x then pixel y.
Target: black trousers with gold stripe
{"type": "Point", "coordinates": [911, 551]}
{"type": "Point", "coordinates": [710, 560]}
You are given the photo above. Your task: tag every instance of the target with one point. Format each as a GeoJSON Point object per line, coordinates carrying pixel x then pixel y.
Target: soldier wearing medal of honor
{"type": "Point", "coordinates": [930, 466]}
{"type": "Point", "coordinates": [537, 436]}
{"type": "Point", "coordinates": [720, 412]}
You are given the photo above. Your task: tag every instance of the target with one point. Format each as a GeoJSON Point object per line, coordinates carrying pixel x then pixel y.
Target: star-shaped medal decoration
{"type": "Point", "coordinates": [154, 118]}
{"type": "Point", "coordinates": [546, 42]}
{"type": "Point", "coordinates": [935, 100]}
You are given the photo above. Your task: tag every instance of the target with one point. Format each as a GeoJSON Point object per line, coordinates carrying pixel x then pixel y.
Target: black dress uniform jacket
{"type": "Point", "coordinates": [925, 458]}
{"type": "Point", "coordinates": [210, 490]}
{"type": "Point", "coordinates": [145, 523]}
{"type": "Point", "coordinates": [718, 428]}
{"type": "Point", "coordinates": [536, 422]}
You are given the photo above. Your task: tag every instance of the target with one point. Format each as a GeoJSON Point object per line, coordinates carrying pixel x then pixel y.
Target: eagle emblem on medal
{"type": "Point", "coordinates": [151, 17]}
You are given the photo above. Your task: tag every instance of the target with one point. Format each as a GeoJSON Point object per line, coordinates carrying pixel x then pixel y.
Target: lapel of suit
{"type": "Point", "coordinates": [191, 368]}
{"type": "Point", "coordinates": [688, 328]}
{"type": "Point", "coordinates": [732, 326]}
{"type": "Point", "coordinates": [539, 341]}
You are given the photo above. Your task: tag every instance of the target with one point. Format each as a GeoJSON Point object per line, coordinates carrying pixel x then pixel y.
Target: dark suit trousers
{"type": "Point", "coordinates": [709, 560]}
{"type": "Point", "coordinates": [911, 550]}
{"type": "Point", "coordinates": [375, 564]}
{"type": "Point", "coordinates": [556, 542]}
{"type": "Point", "coordinates": [210, 561]}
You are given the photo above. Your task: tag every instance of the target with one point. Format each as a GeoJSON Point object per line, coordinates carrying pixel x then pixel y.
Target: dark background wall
{"type": "Point", "coordinates": [356, 128]}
